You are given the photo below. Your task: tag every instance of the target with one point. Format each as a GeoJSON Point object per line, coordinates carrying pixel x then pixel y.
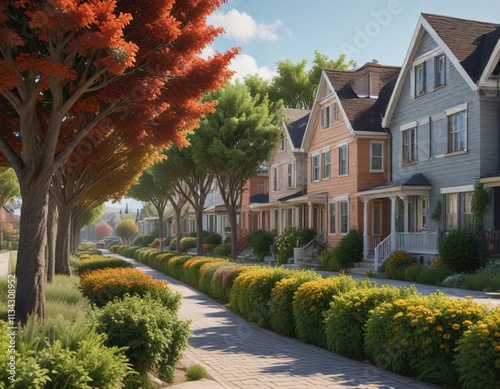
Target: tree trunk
{"type": "Point", "coordinates": [199, 230]}
{"type": "Point", "coordinates": [75, 236]}
{"type": "Point", "coordinates": [160, 229]}
{"type": "Point", "coordinates": [51, 239]}
{"type": "Point", "coordinates": [30, 270]}
{"type": "Point", "coordinates": [178, 232]}
{"type": "Point", "coordinates": [63, 240]}
{"type": "Point", "coordinates": [234, 231]}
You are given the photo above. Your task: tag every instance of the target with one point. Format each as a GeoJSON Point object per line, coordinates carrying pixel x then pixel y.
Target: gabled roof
{"type": "Point", "coordinates": [260, 198]}
{"type": "Point", "coordinates": [360, 113]}
{"type": "Point", "coordinates": [364, 114]}
{"type": "Point", "coordinates": [468, 44]}
{"type": "Point", "coordinates": [295, 123]}
{"type": "Point", "coordinates": [415, 180]}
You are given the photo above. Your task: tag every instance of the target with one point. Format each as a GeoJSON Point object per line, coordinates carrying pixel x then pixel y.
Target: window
{"type": "Point", "coordinates": [457, 132]}
{"type": "Point", "coordinates": [420, 79]}
{"type": "Point", "coordinates": [325, 117]}
{"type": "Point", "coordinates": [315, 168]}
{"type": "Point", "coordinates": [283, 144]}
{"type": "Point", "coordinates": [421, 214]}
{"type": "Point", "coordinates": [344, 217]}
{"type": "Point", "coordinates": [376, 157]}
{"type": "Point", "coordinates": [335, 111]}
{"type": "Point", "coordinates": [343, 159]}
{"type": "Point", "coordinates": [332, 219]}
{"type": "Point", "coordinates": [377, 219]}
{"type": "Point", "coordinates": [409, 145]}
{"type": "Point", "coordinates": [326, 164]}
{"type": "Point", "coordinates": [439, 71]}
{"type": "Point", "coordinates": [289, 182]}
{"type": "Point", "coordinates": [467, 210]}
{"type": "Point", "coordinates": [451, 211]}
{"type": "Point", "coordinates": [275, 178]}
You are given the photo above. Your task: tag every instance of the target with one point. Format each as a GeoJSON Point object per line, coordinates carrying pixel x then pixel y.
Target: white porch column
{"type": "Point", "coordinates": [406, 202]}
{"type": "Point", "coordinates": [280, 221]}
{"type": "Point", "coordinates": [394, 204]}
{"type": "Point", "coordinates": [366, 238]}
{"type": "Point", "coordinates": [310, 215]}
{"type": "Point", "coordinates": [296, 216]}
{"type": "Point", "coordinates": [260, 219]}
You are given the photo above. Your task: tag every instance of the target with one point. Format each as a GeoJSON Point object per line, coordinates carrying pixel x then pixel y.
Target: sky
{"type": "Point", "coordinates": [268, 31]}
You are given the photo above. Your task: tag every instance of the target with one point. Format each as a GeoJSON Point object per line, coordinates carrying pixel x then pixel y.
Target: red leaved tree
{"type": "Point", "coordinates": [67, 66]}
{"type": "Point", "coordinates": [103, 230]}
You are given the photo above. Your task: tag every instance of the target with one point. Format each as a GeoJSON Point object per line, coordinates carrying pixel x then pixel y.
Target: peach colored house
{"type": "Point", "coordinates": [255, 193]}
{"type": "Point", "coordinates": [348, 151]}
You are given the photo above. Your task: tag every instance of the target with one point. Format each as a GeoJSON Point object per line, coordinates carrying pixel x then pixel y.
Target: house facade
{"type": "Point", "coordinates": [347, 151]}
{"type": "Point", "coordinates": [443, 118]}
{"type": "Point", "coordinates": [255, 193]}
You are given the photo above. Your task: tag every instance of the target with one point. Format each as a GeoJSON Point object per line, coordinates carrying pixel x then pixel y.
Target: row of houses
{"type": "Point", "coordinates": [394, 152]}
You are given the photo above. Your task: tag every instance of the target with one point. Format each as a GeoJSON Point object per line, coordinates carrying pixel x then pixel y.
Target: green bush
{"type": "Point", "coordinates": [56, 355]}
{"type": "Point", "coordinates": [260, 242]}
{"type": "Point", "coordinates": [460, 251]}
{"type": "Point", "coordinates": [174, 265]}
{"type": "Point", "coordinates": [96, 262]}
{"type": "Point", "coordinates": [207, 272]}
{"type": "Point", "coordinates": [306, 235]}
{"type": "Point", "coordinates": [251, 292]}
{"type": "Point", "coordinates": [329, 261]}
{"type": "Point", "coordinates": [224, 250]}
{"type": "Point", "coordinates": [128, 251]}
{"type": "Point", "coordinates": [478, 354]}
{"type": "Point", "coordinates": [397, 263]}
{"type": "Point", "coordinates": [223, 279]}
{"type": "Point", "coordinates": [173, 244]}
{"type": "Point", "coordinates": [311, 300]}
{"type": "Point", "coordinates": [195, 372]}
{"type": "Point", "coordinates": [432, 275]}
{"type": "Point", "coordinates": [485, 279]}
{"type": "Point", "coordinates": [212, 238]}
{"type": "Point", "coordinates": [346, 319]}
{"type": "Point", "coordinates": [280, 304]}
{"type": "Point", "coordinates": [155, 336]}
{"type": "Point", "coordinates": [417, 336]}
{"type": "Point", "coordinates": [285, 243]}
{"type": "Point", "coordinates": [191, 269]}
{"type": "Point", "coordinates": [350, 249]}
{"type": "Point", "coordinates": [188, 243]}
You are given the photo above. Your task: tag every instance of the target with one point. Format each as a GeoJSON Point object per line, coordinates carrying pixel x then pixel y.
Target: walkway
{"type": "Point", "coordinates": [238, 354]}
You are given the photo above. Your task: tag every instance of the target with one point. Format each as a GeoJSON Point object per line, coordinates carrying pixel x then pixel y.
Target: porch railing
{"type": "Point", "coordinates": [243, 243]}
{"type": "Point", "coordinates": [308, 251]}
{"type": "Point", "coordinates": [492, 242]}
{"type": "Point", "coordinates": [412, 242]}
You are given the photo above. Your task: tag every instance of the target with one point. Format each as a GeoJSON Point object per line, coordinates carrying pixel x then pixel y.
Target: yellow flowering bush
{"type": "Point", "coordinates": [174, 266]}
{"type": "Point", "coordinates": [191, 269]}
{"type": "Point", "coordinates": [397, 263]}
{"type": "Point", "coordinates": [345, 320]}
{"type": "Point", "coordinates": [280, 304]}
{"type": "Point", "coordinates": [417, 336]}
{"type": "Point", "coordinates": [311, 300]}
{"type": "Point", "coordinates": [251, 292]}
{"type": "Point", "coordinates": [478, 353]}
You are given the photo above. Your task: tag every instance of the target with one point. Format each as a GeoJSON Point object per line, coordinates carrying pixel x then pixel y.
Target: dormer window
{"type": "Point", "coordinates": [420, 79]}
{"type": "Point", "coordinates": [329, 113]}
{"type": "Point", "coordinates": [429, 73]}
{"type": "Point", "coordinates": [439, 71]}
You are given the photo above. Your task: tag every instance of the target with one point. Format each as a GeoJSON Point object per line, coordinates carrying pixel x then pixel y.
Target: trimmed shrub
{"type": "Point", "coordinates": [485, 279]}
{"type": "Point", "coordinates": [224, 250]}
{"type": "Point", "coordinates": [433, 275]}
{"type": "Point", "coordinates": [191, 269]}
{"type": "Point", "coordinates": [329, 261]}
{"type": "Point", "coordinates": [478, 354]}
{"type": "Point", "coordinates": [223, 279]}
{"type": "Point", "coordinates": [207, 272]}
{"type": "Point", "coordinates": [417, 336]}
{"type": "Point", "coordinates": [155, 337]}
{"type": "Point", "coordinates": [103, 286]}
{"type": "Point", "coordinates": [260, 242]}
{"type": "Point", "coordinates": [188, 243]}
{"type": "Point", "coordinates": [128, 251]}
{"type": "Point", "coordinates": [284, 244]}
{"type": "Point", "coordinates": [208, 249]}
{"type": "Point", "coordinates": [96, 262]}
{"type": "Point", "coordinates": [280, 304]}
{"type": "Point", "coordinates": [397, 263]}
{"type": "Point", "coordinates": [251, 292]}
{"type": "Point", "coordinates": [161, 261]}
{"type": "Point", "coordinates": [460, 251]}
{"type": "Point", "coordinates": [195, 372]}
{"type": "Point", "coordinates": [311, 300]}
{"type": "Point", "coordinates": [174, 265]}
{"type": "Point", "coordinates": [346, 319]}
{"type": "Point", "coordinates": [350, 249]}
{"type": "Point", "coordinates": [212, 238]}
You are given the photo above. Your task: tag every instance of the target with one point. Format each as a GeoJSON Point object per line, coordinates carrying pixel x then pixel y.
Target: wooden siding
{"type": "Point", "coordinates": [426, 44]}
{"type": "Point", "coordinates": [490, 139]}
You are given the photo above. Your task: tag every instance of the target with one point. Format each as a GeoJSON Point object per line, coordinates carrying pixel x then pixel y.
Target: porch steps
{"type": "Point", "coordinates": [367, 265]}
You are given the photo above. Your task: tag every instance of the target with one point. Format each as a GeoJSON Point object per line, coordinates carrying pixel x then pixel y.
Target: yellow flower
{"type": "Point", "coordinates": [467, 323]}
{"type": "Point", "coordinates": [446, 336]}
{"type": "Point", "coordinates": [469, 297]}
{"type": "Point", "coordinates": [439, 328]}
{"type": "Point", "coordinates": [357, 304]}
{"type": "Point", "coordinates": [456, 326]}
{"type": "Point", "coordinates": [497, 348]}
{"type": "Point", "coordinates": [400, 303]}
{"type": "Point", "coordinates": [485, 332]}
{"type": "Point", "coordinates": [430, 319]}
{"type": "Point", "coordinates": [426, 328]}
{"type": "Point", "coordinates": [442, 346]}
{"type": "Point", "coordinates": [398, 315]}
{"type": "Point", "coordinates": [497, 334]}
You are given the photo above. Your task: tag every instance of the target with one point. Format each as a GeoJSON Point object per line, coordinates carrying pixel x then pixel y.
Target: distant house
{"type": "Point", "coordinates": [347, 150]}
{"type": "Point", "coordinates": [8, 219]}
{"type": "Point", "coordinates": [255, 193]}
{"type": "Point", "coordinates": [287, 178]}
{"type": "Point", "coordinates": [443, 118]}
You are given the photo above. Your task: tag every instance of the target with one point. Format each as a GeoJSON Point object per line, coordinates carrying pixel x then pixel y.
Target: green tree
{"type": "Point", "coordinates": [126, 229]}
{"type": "Point", "coordinates": [9, 185]}
{"type": "Point", "coordinates": [233, 142]}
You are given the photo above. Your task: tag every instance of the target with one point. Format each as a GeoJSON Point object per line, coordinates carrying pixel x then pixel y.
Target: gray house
{"type": "Point", "coordinates": [444, 122]}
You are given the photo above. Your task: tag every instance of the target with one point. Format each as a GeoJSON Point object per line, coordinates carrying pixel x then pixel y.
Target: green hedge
{"type": "Point", "coordinates": [95, 262]}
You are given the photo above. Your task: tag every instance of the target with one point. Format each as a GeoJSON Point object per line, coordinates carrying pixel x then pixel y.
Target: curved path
{"type": "Point", "coordinates": [238, 354]}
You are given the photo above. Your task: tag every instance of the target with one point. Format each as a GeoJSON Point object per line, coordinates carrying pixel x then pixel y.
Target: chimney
{"type": "Point", "coordinates": [375, 61]}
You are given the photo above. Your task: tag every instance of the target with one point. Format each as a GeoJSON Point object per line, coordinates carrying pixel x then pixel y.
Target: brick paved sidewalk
{"type": "Point", "coordinates": [238, 354]}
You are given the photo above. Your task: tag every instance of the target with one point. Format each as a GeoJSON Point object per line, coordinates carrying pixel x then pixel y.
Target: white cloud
{"type": "Point", "coordinates": [244, 65]}
{"type": "Point", "coordinates": [241, 27]}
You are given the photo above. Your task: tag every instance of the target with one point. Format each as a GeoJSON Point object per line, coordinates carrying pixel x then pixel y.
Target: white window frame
{"type": "Point", "coordinates": [343, 162]}
{"type": "Point", "coordinates": [290, 183]}
{"type": "Point", "coordinates": [332, 218]}
{"type": "Point", "coordinates": [439, 71]}
{"type": "Point", "coordinates": [275, 178]}
{"type": "Point", "coordinates": [409, 147]}
{"type": "Point", "coordinates": [315, 168]}
{"type": "Point", "coordinates": [335, 111]}
{"type": "Point", "coordinates": [420, 82]}
{"type": "Point", "coordinates": [346, 216]}
{"type": "Point", "coordinates": [451, 211]}
{"type": "Point", "coordinates": [381, 170]}
{"type": "Point", "coordinates": [326, 164]}
{"type": "Point", "coordinates": [466, 210]}
{"type": "Point", "coordinates": [453, 133]}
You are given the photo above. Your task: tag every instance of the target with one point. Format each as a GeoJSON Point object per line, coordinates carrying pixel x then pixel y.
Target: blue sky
{"type": "Point", "coordinates": [268, 31]}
